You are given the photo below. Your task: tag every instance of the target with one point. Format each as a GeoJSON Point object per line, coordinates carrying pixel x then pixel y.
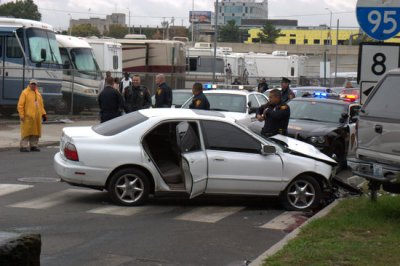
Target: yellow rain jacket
{"type": "Point", "coordinates": [31, 108]}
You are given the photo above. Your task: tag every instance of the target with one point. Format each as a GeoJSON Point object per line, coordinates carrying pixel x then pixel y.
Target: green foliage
{"type": "Point", "coordinates": [229, 32]}
{"type": "Point", "coordinates": [269, 33]}
{"type": "Point", "coordinates": [25, 9]}
{"type": "Point", "coordinates": [117, 31]}
{"type": "Point", "coordinates": [84, 30]}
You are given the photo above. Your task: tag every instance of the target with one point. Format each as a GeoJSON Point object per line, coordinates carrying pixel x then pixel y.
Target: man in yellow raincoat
{"type": "Point", "coordinates": [31, 113]}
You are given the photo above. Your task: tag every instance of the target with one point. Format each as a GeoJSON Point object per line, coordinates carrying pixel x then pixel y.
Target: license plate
{"type": "Point", "coordinates": [378, 170]}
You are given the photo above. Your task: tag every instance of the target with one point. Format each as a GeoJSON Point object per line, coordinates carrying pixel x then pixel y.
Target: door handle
{"type": "Point", "coordinates": [219, 159]}
{"type": "Point", "coordinates": [379, 129]}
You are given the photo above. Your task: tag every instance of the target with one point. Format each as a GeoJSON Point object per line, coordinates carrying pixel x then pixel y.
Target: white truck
{"type": "Point", "coordinates": [108, 54]}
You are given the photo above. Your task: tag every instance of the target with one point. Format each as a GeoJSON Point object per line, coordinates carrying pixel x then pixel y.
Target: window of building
{"type": "Point", "coordinates": [317, 41]}
{"type": "Point", "coordinates": [246, 9]}
{"type": "Point", "coordinates": [341, 42]}
{"type": "Point", "coordinates": [305, 41]}
{"type": "Point", "coordinates": [292, 35]}
{"type": "Point", "coordinates": [327, 42]}
{"type": "Point", "coordinates": [292, 41]}
{"type": "Point", "coordinates": [255, 40]}
{"type": "Point", "coordinates": [282, 35]}
{"type": "Point", "coordinates": [233, 9]}
{"type": "Point", "coordinates": [237, 20]}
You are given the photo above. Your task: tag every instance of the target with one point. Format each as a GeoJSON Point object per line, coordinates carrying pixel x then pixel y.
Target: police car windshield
{"type": "Point", "coordinates": [227, 102]}
{"type": "Point", "coordinates": [317, 111]}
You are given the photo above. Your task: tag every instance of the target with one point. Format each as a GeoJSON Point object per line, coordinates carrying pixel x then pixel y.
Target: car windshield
{"type": "Point", "coordinates": [120, 124]}
{"type": "Point", "coordinates": [84, 61]}
{"type": "Point", "coordinates": [39, 40]}
{"type": "Point", "coordinates": [180, 97]}
{"type": "Point", "coordinates": [317, 111]}
{"type": "Point", "coordinates": [224, 102]}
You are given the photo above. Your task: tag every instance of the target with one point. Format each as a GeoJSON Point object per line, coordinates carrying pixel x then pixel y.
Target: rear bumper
{"type": "Point", "coordinates": [377, 172]}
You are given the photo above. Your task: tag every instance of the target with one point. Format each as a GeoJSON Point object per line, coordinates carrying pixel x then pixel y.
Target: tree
{"type": "Point", "coordinates": [269, 33]}
{"type": "Point", "coordinates": [25, 9]}
{"type": "Point", "coordinates": [84, 30]}
{"type": "Point", "coordinates": [117, 31]}
{"type": "Point", "coordinates": [229, 32]}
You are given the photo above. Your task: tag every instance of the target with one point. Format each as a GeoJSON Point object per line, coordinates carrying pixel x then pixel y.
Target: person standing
{"type": "Point", "coordinates": [228, 72]}
{"type": "Point", "coordinates": [136, 97]}
{"type": "Point", "coordinates": [103, 82]}
{"type": "Point", "coordinates": [125, 83]}
{"type": "Point", "coordinates": [287, 93]}
{"type": "Point", "coordinates": [111, 102]}
{"type": "Point", "coordinates": [276, 115]}
{"type": "Point", "coordinates": [163, 93]}
{"type": "Point", "coordinates": [263, 86]}
{"type": "Point", "coordinates": [199, 100]}
{"type": "Point", "coordinates": [31, 113]}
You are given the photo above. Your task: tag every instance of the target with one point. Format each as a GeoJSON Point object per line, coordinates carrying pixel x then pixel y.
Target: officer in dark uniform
{"type": "Point", "coordinates": [263, 86]}
{"type": "Point", "coordinates": [163, 93]}
{"type": "Point", "coordinates": [287, 93]}
{"type": "Point", "coordinates": [276, 115]}
{"type": "Point", "coordinates": [137, 97]}
{"type": "Point", "coordinates": [111, 102]}
{"type": "Point", "coordinates": [199, 100]}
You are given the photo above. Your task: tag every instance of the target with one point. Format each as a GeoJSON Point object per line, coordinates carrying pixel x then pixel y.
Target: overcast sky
{"type": "Point", "coordinates": [150, 12]}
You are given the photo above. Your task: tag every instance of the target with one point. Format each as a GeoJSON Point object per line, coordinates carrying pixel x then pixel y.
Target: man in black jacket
{"type": "Point", "coordinates": [163, 93]}
{"type": "Point", "coordinates": [276, 115]}
{"type": "Point", "coordinates": [136, 97]}
{"type": "Point", "coordinates": [110, 102]}
{"type": "Point", "coordinates": [199, 100]}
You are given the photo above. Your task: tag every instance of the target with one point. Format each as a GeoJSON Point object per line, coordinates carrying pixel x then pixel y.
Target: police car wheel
{"type": "Point", "coordinates": [303, 193]}
{"type": "Point", "coordinates": [129, 187]}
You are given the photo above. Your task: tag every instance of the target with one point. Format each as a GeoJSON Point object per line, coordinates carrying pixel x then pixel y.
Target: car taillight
{"type": "Point", "coordinates": [70, 152]}
{"type": "Point", "coordinates": [349, 97]}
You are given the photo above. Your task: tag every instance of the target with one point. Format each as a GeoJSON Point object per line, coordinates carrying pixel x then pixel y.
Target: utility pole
{"type": "Point", "coordinates": [129, 20]}
{"type": "Point", "coordinates": [215, 41]}
{"type": "Point", "coordinates": [330, 26]}
{"type": "Point", "coordinates": [337, 52]}
{"type": "Point", "coordinates": [193, 23]}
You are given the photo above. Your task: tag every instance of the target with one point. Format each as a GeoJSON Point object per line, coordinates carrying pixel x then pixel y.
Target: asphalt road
{"type": "Point", "coordinates": [82, 227]}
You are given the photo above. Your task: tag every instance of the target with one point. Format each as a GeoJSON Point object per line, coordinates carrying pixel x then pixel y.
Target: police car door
{"type": "Point", "coordinates": [193, 158]}
{"type": "Point", "coordinates": [353, 116]}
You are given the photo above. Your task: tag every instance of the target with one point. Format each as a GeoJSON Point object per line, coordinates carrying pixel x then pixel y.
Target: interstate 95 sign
{"type": "Point", "coordinates": [380, 19]}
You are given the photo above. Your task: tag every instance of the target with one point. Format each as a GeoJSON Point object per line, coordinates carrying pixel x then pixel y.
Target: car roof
{"type": "Point", "coordinates": [310, 87]}
{"type": "Point", "coordinates": [322, 100]}
{"type": "Point", "coordinates": [235, 92]}
{"type": "Point", "coordinates": [182, 90]}
{"type": "Point", "coordinates": [178, 113]}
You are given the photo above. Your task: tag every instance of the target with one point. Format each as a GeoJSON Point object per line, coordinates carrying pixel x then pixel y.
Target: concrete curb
{"type": "Point", "coordinates": [278, 246]}
{"type": "Point", "coordinates": [41, 144]}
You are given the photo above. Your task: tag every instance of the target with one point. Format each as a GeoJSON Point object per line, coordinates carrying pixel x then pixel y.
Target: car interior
{"type": "Point", "coordinates": [165, 145]}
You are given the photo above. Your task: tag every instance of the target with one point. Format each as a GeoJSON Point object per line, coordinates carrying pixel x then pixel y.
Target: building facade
{"type": "Point", "coordinates": [239, 10]}
{"type": "Point", "coordinates": [100, 23]}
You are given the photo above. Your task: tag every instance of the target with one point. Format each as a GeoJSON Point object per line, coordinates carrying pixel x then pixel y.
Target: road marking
{"type": "Point", "coordinates": [118, 210]}
{"type": "Point", "coordinates": [285, 221]}
{"type": "Point", "coordinates": [209, 214]}
{"type": "Point", "coordinates": [53, 199]}
{"type": "Point", "coordinates": [6, 189]}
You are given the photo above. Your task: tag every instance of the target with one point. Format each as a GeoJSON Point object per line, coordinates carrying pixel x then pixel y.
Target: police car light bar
{"type": "Point", "coordinates": [321, 94]}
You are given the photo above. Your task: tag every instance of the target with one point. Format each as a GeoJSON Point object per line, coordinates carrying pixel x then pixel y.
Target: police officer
{"type": "Point", "coordinates": [199, 100]}
{"type": "Point", "coordinates": [163, 93]}
{"type": "Point", "coordinates": [287, 93]}
{"type": "Point", "coordinates": [263, 86]}
{"type": "Point", "coordinates": [136, 97]}
{"type": "Point", "coordinates": [111, 102]}
{"type": "Point", "coordinates": [276, 115]}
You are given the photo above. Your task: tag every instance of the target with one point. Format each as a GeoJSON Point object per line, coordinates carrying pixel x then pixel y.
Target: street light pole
{"type": "Point", "coordinates": [129, 19]}
{"type": "Point", "coordinates": [215, 40]}
{"type": "Point", "coordinates": [70, 23]}
{"type": "Point", "coordinates": [330, 26]}
{"type": "Point", "coordinates": [193, 23]}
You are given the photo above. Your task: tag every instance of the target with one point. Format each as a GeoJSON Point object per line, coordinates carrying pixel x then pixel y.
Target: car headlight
{"type": "Point", "coordinates": [319, 140]}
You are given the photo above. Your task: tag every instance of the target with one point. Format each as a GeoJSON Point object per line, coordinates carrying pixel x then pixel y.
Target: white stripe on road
{"type": "Point", "coordinates": [283, 221]}
{"type": "Point", "coordinates": [209, 214]}
{"type": "Point", "coordinates": [6, 189]}
{"type": "Point", "coordinates": [129, 211]}
{"type": "Point", "coordinates": [53, 199]}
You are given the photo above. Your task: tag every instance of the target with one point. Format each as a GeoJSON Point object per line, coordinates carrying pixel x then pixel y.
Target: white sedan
{"type": "Point", "coordinates": [241, 105]}
{"type": "Point", "coordinates": [191, 151]}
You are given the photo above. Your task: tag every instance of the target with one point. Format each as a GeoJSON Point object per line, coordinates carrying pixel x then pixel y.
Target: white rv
{"type": "Point", "coordinates": [108, 54]}
{"type": "Point", "coordinates": [81, 75]}
{"type": "Point", "coordinates": [28, 49]}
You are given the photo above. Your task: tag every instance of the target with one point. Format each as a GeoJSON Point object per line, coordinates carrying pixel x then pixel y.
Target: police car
{"type": "Point", "coordinates": [328, 124]}
{"type": "Point", "coordinates": [239, 104]}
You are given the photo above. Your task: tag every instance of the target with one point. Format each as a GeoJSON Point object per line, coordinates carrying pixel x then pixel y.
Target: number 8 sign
{"type": "Point", "coordinates": [380, 19]}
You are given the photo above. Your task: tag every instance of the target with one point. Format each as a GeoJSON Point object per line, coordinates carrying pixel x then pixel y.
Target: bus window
{"type": "Point", "coordinates": [1, 47]}
{"type": "Point", "coordinates": [13, 49]}
{"type": "Point", "coordinates": [65, 58]}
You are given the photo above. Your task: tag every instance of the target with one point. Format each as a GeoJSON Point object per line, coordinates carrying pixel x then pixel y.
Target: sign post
{"type": "Point", "coordinates": [379, 19]}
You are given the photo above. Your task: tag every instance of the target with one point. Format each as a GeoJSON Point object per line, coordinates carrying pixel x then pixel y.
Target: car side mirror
{"type": "Point", "coordinates": [268, 150]}
{"type": "Point", "coordinates": [43, 54]}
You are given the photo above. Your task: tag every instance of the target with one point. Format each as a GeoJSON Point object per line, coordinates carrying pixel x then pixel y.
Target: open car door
{"type": "Point", "coordinates": [194, 159]}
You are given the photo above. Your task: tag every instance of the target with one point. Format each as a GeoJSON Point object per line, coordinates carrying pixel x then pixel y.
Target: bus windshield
{"type": "Point", "coordinates": [84, 61]}
{"type": "Point", "coordinates": [39, 39]}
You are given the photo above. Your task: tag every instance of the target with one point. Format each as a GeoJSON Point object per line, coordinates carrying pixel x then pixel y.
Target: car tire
{"type": "Point", "coordinates": [129, 187]}
{"type": "Point", "coordinates": [302, 194]}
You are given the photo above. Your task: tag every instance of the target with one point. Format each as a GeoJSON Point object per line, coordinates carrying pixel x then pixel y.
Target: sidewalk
{"type": "Point", "coordinates": [10, 133]}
